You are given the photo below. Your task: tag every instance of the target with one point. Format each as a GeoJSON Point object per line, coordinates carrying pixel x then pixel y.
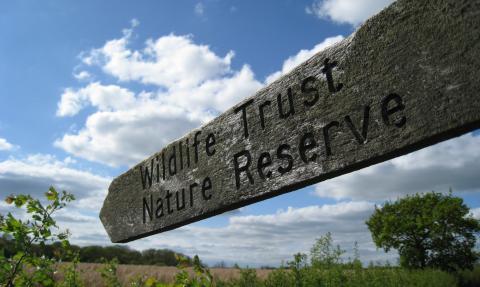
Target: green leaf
{"type": "Point", "coordinates": [20, 200]}
{"type": "Point", "coordinates": [51, 194]}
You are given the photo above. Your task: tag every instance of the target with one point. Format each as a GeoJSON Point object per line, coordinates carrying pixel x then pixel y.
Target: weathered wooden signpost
{"type": "Point", "coordinates": [407, 79]}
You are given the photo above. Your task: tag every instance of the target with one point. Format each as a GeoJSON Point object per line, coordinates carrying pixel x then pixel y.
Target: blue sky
{"type": "Point", "coordinates": [80, 83]}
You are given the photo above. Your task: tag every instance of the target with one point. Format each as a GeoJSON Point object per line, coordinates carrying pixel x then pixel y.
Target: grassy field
{"type": "Point", "coordinates": [232, 277]}
{"type": "Point", "coordinates": [90, 274]}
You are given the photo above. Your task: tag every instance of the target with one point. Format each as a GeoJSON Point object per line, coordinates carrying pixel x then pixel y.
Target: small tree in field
{"type": "Point", "coordinates": [38, 228]}
{"type": "Point", "coordinates": [428, 230]}
{"type": "Point", "coordinates": [324, 254]}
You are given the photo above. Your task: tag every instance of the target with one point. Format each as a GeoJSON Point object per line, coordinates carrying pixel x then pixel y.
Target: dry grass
{"type": "Point", "coordinates": [126, 273]}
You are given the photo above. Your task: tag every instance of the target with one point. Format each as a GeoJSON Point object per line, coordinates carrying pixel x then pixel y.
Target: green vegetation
{"type": "Point", "coordinates": [109, 274]}
{"type": "Point", "coordinates": [27, 260]}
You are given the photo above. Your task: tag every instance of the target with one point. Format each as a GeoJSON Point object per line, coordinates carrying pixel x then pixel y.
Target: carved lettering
{"type": "Point", "coordinates": [388, 112]}
{"type": "Point", "coordinates": [240, 169]}
{"type": "Point", "coordinates": [264, 161]}
{"type": "Point", "coordinates": [243, 108]}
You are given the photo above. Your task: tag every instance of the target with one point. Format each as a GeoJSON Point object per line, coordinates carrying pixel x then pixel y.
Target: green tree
{"type": "Point", "coordinates": [428, 230]}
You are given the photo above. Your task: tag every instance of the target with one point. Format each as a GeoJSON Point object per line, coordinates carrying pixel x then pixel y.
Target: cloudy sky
{"type": "Point", "coordinates": [89, 88]}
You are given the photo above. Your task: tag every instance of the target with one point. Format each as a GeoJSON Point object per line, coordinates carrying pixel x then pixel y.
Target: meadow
{"type": "Point", "coordinates": [90, 273]}
{"type": "Point", "coordinates": [93, 274]}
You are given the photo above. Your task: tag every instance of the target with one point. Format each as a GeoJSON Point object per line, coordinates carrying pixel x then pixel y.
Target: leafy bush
{"type": "Point", "coordinates": [280, 278]}
{"type": "Point", "coordinates": [202, 277]}
{"type": "Point", "coordinates": [25, 267]}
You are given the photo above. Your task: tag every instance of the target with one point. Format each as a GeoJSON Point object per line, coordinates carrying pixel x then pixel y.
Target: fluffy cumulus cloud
{"type": "Point", "coordinates": [125, 136]}
{"type": "Point", "coordinates": [171, 61]}
{"type": "Point", "coordinates": [5, 145]}
{"type": "Point", "coordinates": [451, 164]}
{"type": "Point", "coordinates": [104, 98]}
{"type": "Point", "coordinates": [191, 84]}
{"type": "Point", "coordinates": [302, 56]}
{"type": "Point", "coordinates": [352, 12]}
{"type": "Point", "coordinates": [273, 238]}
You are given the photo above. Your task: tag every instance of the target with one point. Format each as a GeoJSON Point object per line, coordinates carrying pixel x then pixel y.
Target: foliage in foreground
{"type": "Point", "coordinates": [25, 268]}
{"type": "Point", "coordinates": [325, 268]}
{"type": "Point", "coordinates": [307, 275]}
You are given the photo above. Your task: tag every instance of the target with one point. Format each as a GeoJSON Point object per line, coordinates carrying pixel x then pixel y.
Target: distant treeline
{"type": "Point", "coordinates": [98, 254]}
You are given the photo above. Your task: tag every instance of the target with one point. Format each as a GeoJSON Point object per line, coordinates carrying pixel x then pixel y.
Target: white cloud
{"type": "Point", "coordinates": [193, 85]}
{"type": "Point", "coordinates": [69, 215]}
{"type": "Point", "coordinates": [105, 98]}
{"type": "Point", "coordinates": [5, 145]}
{"type": "Point", "coordinates": [454, 163]}
{"type": "Point", "coordinates": [217, 94]}
{"type": "Point", "coordinates": [302, 56]}
{"type": "Point", "coordinates": [36, 173]}
{"type": "Point", "coordinates": [170, 61]}
{"type": "Point", "coordinates": [273, 238]}
{"type": "Point", "coordinates": [475, 213]}
{"type": "Point", "coordinates": [127, 136]}
{"type": "Point", "coordinates": [134, 23]}
{"type": "Point", "coordinates": [82, 75]}
{"type": "Point", "coordinates": [353, 12]}
{"type": "Point", "coordinates": [199, 9]}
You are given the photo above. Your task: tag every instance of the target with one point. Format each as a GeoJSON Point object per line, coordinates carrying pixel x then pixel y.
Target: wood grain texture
{"type": "Point", "coordinates": [408, 78]}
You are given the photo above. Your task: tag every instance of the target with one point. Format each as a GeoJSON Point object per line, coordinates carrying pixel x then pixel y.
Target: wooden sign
{"type": "Point", "coordinates": [407, 79]}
